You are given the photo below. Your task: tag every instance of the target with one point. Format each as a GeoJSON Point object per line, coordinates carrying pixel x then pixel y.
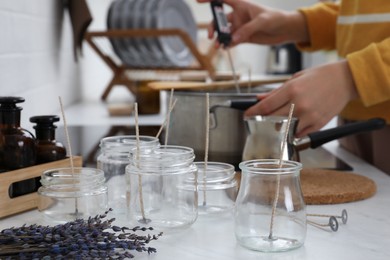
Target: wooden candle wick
{"type": "Point", "coordinates": [67, 136]}
{"type": "Point", "coordinates": [168, 117]}
{"type": "Point", "coordinates": [270, 236]}
{"type": "Point", "coordinates": [206, 150]}
{"type": "Point", "coordinates": [141, 199]}
{"type": "Point", "coordinates": [69, 149]}
{"type": "Point", "coordinates": [249, 80]}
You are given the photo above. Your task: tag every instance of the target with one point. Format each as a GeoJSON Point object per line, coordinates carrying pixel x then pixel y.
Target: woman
{"type": "Point", "coordinates": [355, 88]}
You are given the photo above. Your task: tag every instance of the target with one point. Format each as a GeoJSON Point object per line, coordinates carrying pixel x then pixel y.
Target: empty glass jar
{"type": "Point", "coordinates": [160, 193]}
{"type": "Point", "coordinates": [70, 193]}
{"type": "Point", "coordinates": [113, 158]}
{"type": "Point", "coordinates": [217, 187]}
{"type": "Point", "coordinates": [270, 213]}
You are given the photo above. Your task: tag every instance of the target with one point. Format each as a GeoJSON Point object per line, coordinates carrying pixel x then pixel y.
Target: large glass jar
{"type": "Point", "coordinates": [70, 193]}
{"type": "Point", "coordinates": [113, 158]}
{"type": "Point", "coordinates": [160, 190]}
{"type": "Point", "coordinates": [270, 213]}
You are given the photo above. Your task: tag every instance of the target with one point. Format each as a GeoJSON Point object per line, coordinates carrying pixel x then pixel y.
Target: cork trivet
{"type": "Point", "coordinates": [320, 186]}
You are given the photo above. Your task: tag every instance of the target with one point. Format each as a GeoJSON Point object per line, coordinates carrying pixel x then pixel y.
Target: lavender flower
{"type": "Point", "coordinates": [94, 238]}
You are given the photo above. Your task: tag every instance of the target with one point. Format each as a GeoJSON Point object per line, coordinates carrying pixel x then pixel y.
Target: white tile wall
{"type": "Point", "coordinates": [36, 55]}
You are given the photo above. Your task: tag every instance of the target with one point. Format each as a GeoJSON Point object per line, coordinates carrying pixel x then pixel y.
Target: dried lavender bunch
{"type": "Point", "coordinates": [94, 238]}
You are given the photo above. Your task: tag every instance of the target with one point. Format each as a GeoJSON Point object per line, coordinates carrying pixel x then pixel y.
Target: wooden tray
{"type": "Point", "coordinates": [195, 85]}
{"type": "Point", "coordinates": [9, 206]}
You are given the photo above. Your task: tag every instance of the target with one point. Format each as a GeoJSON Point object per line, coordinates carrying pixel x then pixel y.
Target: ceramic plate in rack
{"type": "Point", "coordinates": [115, 21]}
{"type": "Point", "coordinates": [110, 25]}
{"type": "Point", "coordinates": [150, 21]}
{"type": "Point", "coordinates": [176, 14]}
{"type": "Point", "coordinates": [126, 17]}
{"type": "Point", "coordinates": [140, 43]}
{"type": "Point", "coordinates": [126, 57]}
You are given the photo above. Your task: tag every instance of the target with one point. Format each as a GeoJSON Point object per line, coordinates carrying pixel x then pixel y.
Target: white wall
{"type": "Point", "coordinates": [36, 56]}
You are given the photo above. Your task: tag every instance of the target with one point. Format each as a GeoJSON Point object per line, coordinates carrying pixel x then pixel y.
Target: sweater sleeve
{"type": "Point", "coordinates": [321, 23]}
{"type": "Point", "coordinates": [371, 71]}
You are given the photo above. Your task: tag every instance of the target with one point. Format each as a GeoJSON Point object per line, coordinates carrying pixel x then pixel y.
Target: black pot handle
{"type": "Point", "coordinates": [322, 137]}
{"type": "Point", "coordinates": [243, 104]}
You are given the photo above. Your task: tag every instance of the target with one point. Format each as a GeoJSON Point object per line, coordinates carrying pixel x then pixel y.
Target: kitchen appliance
{"type": "Point", "coordinates": [284, 59]}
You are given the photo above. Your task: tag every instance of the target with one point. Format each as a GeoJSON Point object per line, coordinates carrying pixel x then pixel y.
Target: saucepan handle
{"type": "Point", "coordinates": [243, 104]}
{"type": "Point", "coordinates": [322, 137]}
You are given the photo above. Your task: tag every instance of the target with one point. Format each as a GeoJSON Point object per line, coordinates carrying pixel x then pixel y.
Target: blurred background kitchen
{"type": "Point", "coordinates": [37, 59]}
{"type": "Point", "coordinates": [40, 60]}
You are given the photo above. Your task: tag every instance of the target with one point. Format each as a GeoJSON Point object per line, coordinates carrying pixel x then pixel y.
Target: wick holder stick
{"type": "Point", "coordinates": [69, 149]}
{"type": "Point", "coordinates": [270, 236]}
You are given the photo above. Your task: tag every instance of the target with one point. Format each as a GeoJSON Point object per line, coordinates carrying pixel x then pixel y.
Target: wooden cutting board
{"type": "Point", "coordinates": [196, 85]}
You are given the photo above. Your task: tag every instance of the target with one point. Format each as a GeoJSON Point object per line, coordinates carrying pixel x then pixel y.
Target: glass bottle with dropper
{"type": "Point", "coordinates": [17, 145]}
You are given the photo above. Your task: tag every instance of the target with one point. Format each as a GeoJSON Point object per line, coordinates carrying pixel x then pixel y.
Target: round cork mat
{"type": "Point", "coordinates": [320, 186]}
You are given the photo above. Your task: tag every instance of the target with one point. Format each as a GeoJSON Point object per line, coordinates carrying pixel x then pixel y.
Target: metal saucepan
{"type": "Point", "coordinates": [188, 125]}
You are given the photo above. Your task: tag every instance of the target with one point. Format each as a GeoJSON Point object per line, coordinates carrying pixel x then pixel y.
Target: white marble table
{"type": "Point", "coordinates": [365, 236]}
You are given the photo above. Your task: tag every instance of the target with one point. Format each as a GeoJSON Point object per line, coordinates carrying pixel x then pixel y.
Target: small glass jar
{"type": "Point", "coordinates": [217, 187]}
{"type": "Point", "coordinates": [70, 193]}
{"type": "Point", "coordinates": [270, 213]}
{"type": "Point", "coordinates": [160, 192]}
{"type": "Point", "coordinates": [113, 158]}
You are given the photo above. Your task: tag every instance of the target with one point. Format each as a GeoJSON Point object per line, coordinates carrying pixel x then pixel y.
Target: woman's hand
{"type": "Point", "coordinates": [318, 93]}
{"type": "Point", "coordinates": [254, 23]}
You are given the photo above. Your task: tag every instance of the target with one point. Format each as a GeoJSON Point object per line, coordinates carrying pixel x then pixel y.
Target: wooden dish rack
{"type": "Point", "coordinates": [204, 61]}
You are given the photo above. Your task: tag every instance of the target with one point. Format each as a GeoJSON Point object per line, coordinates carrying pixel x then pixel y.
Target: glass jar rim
{"type": "Point", "coordinates": [72, 177]}
{"type": "Point", "coordinates": [216, 172]}
{"type": "Point", "coordinates": [165, 159]}
{"type": "Point", "coordinates": [270, 166]}
{"type": "Point", "coordinates": [174, 152]}
{"type": "Point", "coordinates": [127, 140]}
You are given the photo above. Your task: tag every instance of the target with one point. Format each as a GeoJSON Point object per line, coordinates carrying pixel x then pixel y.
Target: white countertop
{"type": "Point", "coordinates": [365, 236]}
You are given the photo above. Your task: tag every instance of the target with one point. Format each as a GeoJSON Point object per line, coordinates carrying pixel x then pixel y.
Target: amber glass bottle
{"type": "Point", "coordinates": [17, 145]}
{"type": "Point", "coordinates": [48, 149]}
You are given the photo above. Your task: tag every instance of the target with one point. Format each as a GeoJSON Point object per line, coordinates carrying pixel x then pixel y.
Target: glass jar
{"type": "Point", "coordinates": [70, 193]}
{"type": "Point", "coordinates": [160, 192]}
{"type": "Point", "coordinates": [113, 159]}
{"type": "Point", "coordinates": [270, 213]}
{"type": "Point", "coordinates": [217, 187]}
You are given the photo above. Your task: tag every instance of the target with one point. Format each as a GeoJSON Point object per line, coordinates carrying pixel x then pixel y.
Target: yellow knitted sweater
{"type": "Point", "coordinates": [360, 31]}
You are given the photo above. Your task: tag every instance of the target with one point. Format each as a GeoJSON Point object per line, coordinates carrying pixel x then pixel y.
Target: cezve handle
{"type": "Point", "coordinates": [322, 137]}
